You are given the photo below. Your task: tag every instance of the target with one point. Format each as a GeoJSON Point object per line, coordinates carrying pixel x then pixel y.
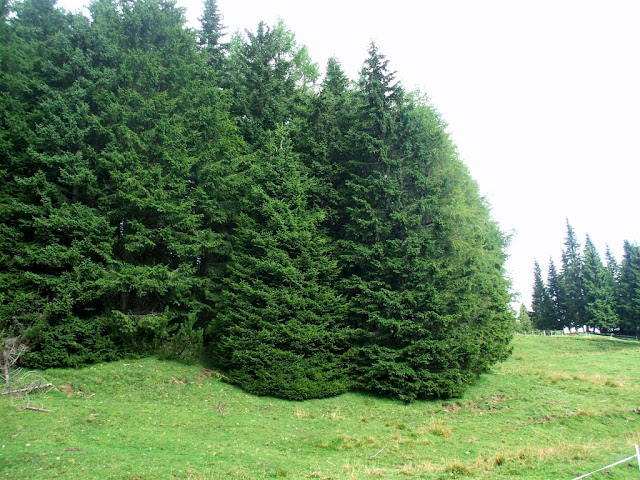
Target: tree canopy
{"type": "Point", "coordinates": [165, 191]}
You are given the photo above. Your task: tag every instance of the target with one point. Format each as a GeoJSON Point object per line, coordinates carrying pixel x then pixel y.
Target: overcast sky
{"type": "Point", "coordinates": [541, 97]}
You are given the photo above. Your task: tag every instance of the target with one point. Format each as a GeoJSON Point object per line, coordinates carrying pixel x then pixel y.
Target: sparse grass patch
{"type": "Point", "coordinates": [457, 469]}
{"type": "Point", "coordinates": [559, 408]}
{"type": "Point", "coordinates": [302, 413]}
{"type": "Point", "coordinates": [440, 429]}
{"type": "Point", "coordinates": [419, 468]}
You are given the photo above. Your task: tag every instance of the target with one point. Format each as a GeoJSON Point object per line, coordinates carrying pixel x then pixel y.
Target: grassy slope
{"type": "Point", "coordinates": [558, 408]}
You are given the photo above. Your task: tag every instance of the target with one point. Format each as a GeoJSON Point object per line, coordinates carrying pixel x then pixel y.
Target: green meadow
{"type": "Point", "coordinates": [558, 408]}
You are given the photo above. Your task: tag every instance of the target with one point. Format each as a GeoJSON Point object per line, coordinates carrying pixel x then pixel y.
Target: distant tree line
{"type": "Point", "coordinates": [587, 291]}
{"type": "Point", "coordinates": [164, 191]}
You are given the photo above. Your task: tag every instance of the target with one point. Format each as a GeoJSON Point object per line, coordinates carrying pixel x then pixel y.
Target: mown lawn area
{"type": "Point", "coordinates": [558, 408]}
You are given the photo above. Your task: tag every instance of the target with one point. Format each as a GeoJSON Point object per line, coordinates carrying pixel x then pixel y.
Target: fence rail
{"type": "Point", "coordinates": [560, 333]}
{"type": "Point", "coordinates": [636, 456]}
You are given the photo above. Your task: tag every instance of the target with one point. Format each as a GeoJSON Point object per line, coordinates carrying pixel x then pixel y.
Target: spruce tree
{"type": "Point", "coordinates": [571, 294]}
{"type": "Point", "coordinates": [544, 313]}
{"type": "Point", "coordinates": [165, 165]}
{"type": "Point", "coordinates": [556, 316]}
{"type": "Point", "coordinates": [327, 148]}
{"type": "Point", "coordinates": [629, 289]}
{"type": "Point", "coordinates": [62, 249]}
{"type": "Point", "coordinates": [269, 75]}
{"type": "Point", "coordinates": [280, 329]}
{"type": "Point", "coordinates": [17, 299]}
{"type": "Point", "coordinates": [538, 297]}
{"type": "Point", "coordinates": [599, 291]}
{"type": "Point", "coordinates": [612, 265]}
{"type": "Point", "coordinates": [422, 262]}
{"type": "Point", "coordinates": [524, 324]}
{"type": "Point", "coordinates": [114, 182]}
{"type": "Point", "coordinates": [211, 32]}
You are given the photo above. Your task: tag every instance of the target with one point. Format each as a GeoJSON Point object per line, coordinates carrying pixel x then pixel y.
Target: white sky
{"type": "Point", "coordinates": [541, 97]}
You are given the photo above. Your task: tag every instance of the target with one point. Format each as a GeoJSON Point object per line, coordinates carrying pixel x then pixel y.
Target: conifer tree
{"type": "Point", "coordinates": [16, 81]}
{"type": "Point", "coordinates": [268, 74]}
{"type": "Point", "coordinates": [211, 33]}
{"type": "Point", "coordinates": [281, 327]}
{"type": "Point", "coordinates": [170, 139]}
{"type": "Point", "coordinates": [113, 196]}
{"type": "Point", "coordinates": [422, 262]}
{"type": "Point", "coordinates": [629, 289]}
{"type": "Point", "coordinates": [61, 251]}
{"type": "Point", "coordinates": [524, 324]}
{"type": "Point", "coordinates": [612, 266]}
{"type": "Point", "coordinates": [538, 297]}
{"type": "Point", "coordinates": [544, 314]}
{"type": "Point", "coordinates": [327, 147]}
{"type": "Point", "coordinates": [571, 294]}
{"type": "Point", "coordinates": [599, 293]}
{"type": "Point", "coordinates": [556, 316]}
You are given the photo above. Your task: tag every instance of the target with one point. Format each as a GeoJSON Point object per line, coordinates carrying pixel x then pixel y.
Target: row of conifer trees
{"type": "Point", "coordinates": [587, 291]}
{"type": "Point", "coordinates": [161, 189]}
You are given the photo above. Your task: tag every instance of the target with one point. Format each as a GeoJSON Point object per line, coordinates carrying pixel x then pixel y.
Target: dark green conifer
{"type": "Point", "coordinates": [61, 251]}
{"type": "Point", "coordinates": [539, 298]}
{"type": "Point", "coordinates": [422, 261]}
{"type": "Point", "coordinates": [268, 75]}
{"type": "Point", "coordinates": [326, 147]}
{"type": "Point", "coordinates": [133, 213]}
{"type": "Point", "coordinates": [211, 33]}
{"type": "Point", "coordinates": [115, 187]}
{"type": "Point", "coordinates": [599, 291]}
{"type": "Point", "coordinates": [629, 289]}
{"type": "Point", "coordinates": [280, 329]}
{"type": "Point", "coordinates": [571, 294]}
{"type": "Point", "coordinates": [556, 316]}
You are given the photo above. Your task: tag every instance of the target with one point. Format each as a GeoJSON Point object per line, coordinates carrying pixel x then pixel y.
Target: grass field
{"type": "Point", "coordinates": [558, 408]}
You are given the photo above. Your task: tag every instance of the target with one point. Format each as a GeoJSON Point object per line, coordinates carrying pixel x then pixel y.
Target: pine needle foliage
{"type": "Point", "coordinates": [281, 329]}
{"type": "Point", "coordinates": [164, 190]}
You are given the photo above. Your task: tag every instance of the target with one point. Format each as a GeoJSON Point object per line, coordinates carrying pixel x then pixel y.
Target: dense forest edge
{"type": "Point", "coordinates": [163, 191]}
{"type": "Point", "coordinates": [587, 292]}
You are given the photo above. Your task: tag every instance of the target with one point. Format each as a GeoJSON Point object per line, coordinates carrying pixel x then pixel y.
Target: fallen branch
{"type": "Point", "coordinates": [28, 389]}
{"type": "Point", "coordinates": [37, 409]}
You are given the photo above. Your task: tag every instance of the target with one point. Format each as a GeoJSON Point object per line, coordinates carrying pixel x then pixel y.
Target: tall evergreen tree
{"type": "Point", "coordinates": [599, 293]}
{"type": "Point", "coordinates": [17, 56]}
{"type": "Point", "coordinates": [61, 251]}
{"type": "Point", "coordinates": [629, 289]}
{"type": "Point", "coordinates": [556, 316]}
{"type": "Point", "coordinates": [113, 194]}
{"type": "Point", "coordinates": [281, 327]}
{"type": "Point", "coordinates": [327, 148]}
{"type": "Point", "coordinates": [538, 298]}
{"type": "Point", "coordinates": [612, 265]}
{"type": "Point", "coordinates": [170, 139]}
{"type": "Point", "coordinates": [545, 313]}
{"type": "Point", "coordinates": [211, 33]}
{"type": "Point", "coordinates": [571, 294]}
{"type": "Point", "coordinates": [269, 74]}
{"type": "Point", "coordinates": [422, 262]}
